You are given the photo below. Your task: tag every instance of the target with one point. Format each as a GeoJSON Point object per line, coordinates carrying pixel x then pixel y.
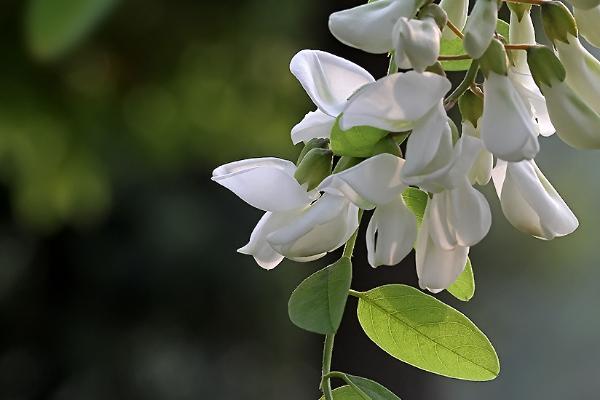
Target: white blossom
{"type": "Point", "coordinates": [416, 43]}
{"type": "Point", "coordinates": [587, 23]}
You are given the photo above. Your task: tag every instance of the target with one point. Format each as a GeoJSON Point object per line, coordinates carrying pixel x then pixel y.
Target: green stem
{"type": "Point", "coordinates": [355, 293]}
{"type": "Point", "coordinates": [349, 248]}
{"type": "Point", "coordinates": [327, 355]}
{"type": "Point", "coordinates": [392, 67]}
{"type": "Point", "coordinates": [464, 85]}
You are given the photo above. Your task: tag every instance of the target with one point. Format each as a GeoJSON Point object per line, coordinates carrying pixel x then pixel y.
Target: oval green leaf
{"type": "Point", "coordinates": [359, 141]}
{"type": "Point", "coordinates": [416, 201]}
{"type": "Point", "coordinates": [345, 393]}
{"type": "Point", "coordinates": [463, 287]}
{"type": "Point", "coordinates": [424, 332]}
{"type": "Point", "coordinates": [362, 389]}
{"type": "Point", "coordinates": [318, 303]}
{"type": "Point", "coordinates": [55, 26]}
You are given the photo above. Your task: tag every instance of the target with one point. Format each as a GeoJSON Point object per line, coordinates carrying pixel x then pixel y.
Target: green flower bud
{"type": "Point", "coordinates": [436, 12]}
{"type": "Point", "coordinates": [314, 167]}
{"type": "Point", "coordinates": [316, 143]}
{"type": "Point", "coordinates": [558, 21]}
{"type": "Point", "coordinates": [494, 59]}
{"type": "Point", "coordinates": [519, 9]}
{"type": "Point", "coordinates": [471, 107]}
{"type": "Point", "coordinates": [545, 66]}
{"type": "Point", "coordinates": [346, 162]}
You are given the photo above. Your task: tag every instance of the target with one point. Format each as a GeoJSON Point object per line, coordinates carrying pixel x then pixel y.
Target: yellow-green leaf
{"type": "Point", "coordinates": [464, 286]}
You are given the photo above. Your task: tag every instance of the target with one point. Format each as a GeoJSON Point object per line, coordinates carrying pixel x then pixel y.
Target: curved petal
{"type": "Point", "coordinates": [391, 233]}
{"type": "Point", "coordinates": [456, 10]}
{"type": "Point", "coordinates": [481, 171]}
{"type": "Point", "coordinates": [258, 247]}
{"type": "Point", "coordinates": [315, 124]}
{"type": "Point", "coordinates": [532, 96]}
{"type": "Point", "coordinates": [587, 23]}
{"type": "Point", "coordinates": [329, 80]}
{"type": "Point", "coordinates": [416, 43]}
{"type": "Point", "coordinates": [585, 4]}
{"type": "Point", "coordinates": [374, 181]}
{"type": "Point", "coordinates": [395, 102]}
{"type": "Point", "coordinates": [480, 27]}
{"type": "Point", "coordinates": [369, 26]}
{"type": "Point", "coordinates": [322, 227]}
{"type": "Point", "coordinates": [265, 183]}
{"type": "Point", "coordinates": [507, 129]}
{"type": "Point", "coordinates": [437, 268]}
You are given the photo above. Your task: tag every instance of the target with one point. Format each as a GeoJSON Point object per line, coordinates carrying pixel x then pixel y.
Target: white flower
{"type": "Point", "coordinates": [376, 183]}
{"type": "Point", "coordinates": [583, 70]}
{"type": "Point", "coordinates": [522, 32]}
{"type": "Point", "coordinates": [395, 102]}
{"type": "Point", "coordinates": [416, 43]}
{"type": "Point", "coordinates": [507, 128]}
{"type": "Point", "coordinates": [295, 225]}
{"type": "Point", "coordinates": [437, 268]}
{"type": "Point", "coordinates": [529, 201]}
{"type": "Point", "coordinates": [456, 10]}
{"type": "Point", "coordinates": [587, 23]}
{"type": "Point", "coordinates": [481, 171]}
{"type": "Point", "coordinates": [329, 81]}
{"type": "Point", "coordinates": [480, 27]}
{"type": "Point", "coordinates": [577, 124]}
{"type": "Point", "coordinates": [369, 26]}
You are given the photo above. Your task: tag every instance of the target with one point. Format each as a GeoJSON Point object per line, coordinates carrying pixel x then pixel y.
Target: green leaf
{"type": "Point", "coordinates": [56, 26]}
{"type": "Point", "coordinates": [426, 333]}
{"type": "Point", "coordinates": [359, 141]}
{"type": "Point", "coordinates": [416, 201]}
{"type": "Point", "coordinates": [367, 390]}
{"type": "Point", "coordinates": [317, 304]}
{"type": "Point", "coordinates": [464, 286]}
{"type": "Point", "coordinates": [454, 47]}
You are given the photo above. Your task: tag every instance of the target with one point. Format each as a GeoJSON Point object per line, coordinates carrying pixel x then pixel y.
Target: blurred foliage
{"type": "Point", "coordinates": [148, 92]}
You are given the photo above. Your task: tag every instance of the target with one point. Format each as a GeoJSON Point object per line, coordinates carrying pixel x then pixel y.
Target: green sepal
{"type": "Point", "coordinates": [463, 287]}
{"type": "Point", "coordinates": [346, 162]}
{"type": "Point", "coordinates": [387, 145]}
{"type": "Point", "coordinates": [471, 107]}
{"type": "Point", "coordinates": [546, 68]}
{"type": "Point", "coordinates": [315, 143]}
{"type": "Point", "coordinates": [355, 142]}
{"type": "Point", "coordinates": [317, 304]}
{"type": "Point", "coordinates": [436, 12]}
{"type": "Point", "coordinates": [436, 68]}
{"type": "Point", "coordinates": [315, 166]}
{"type": "Point", "coordinates": [558, 21]}
{"type": "Point", "coordinates": [519, 9]}
{"type": "Point", "coordinates": [494, 59]}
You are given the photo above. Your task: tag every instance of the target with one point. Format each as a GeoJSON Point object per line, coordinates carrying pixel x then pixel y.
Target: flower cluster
{"type": "Point", "coordinates": [369, 140]}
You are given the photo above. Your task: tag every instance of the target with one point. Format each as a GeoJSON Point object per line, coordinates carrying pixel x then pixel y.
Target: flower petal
{"type": "Point", "coordinates": [587, 24]}
{"type": "Point", "coordinates": [265, 183]}
{"type": "Point", "coordinates": [395, 102]}
{"type": "Point", "coordinates": [416, 43]}
{"type": "Point", "coordinates": [456, 10]}
{"type": "Point", "coordinates": [391, 233]}
{"type": "Point", "coordinates": [315, 124]}
{"type": "Point", "coordinates": [258, 247]}
{"type": "Point", "coordinates": [369, 26]}
{"type": "Point", "coordinates": [329, 80]}
{"type": "Point", "coordinates": [374, 181]}
{"type": "Point", "coordinates": [480, 27]}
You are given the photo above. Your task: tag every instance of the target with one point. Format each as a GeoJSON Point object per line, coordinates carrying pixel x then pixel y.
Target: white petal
{"type": "Point", "coordinates": [587, 23]}
{"type": "Point", "coordinates": [258, 247]}
{"type": "Point", "coordinates": [470, 215]}
{"type": "Point", "coordinates": [322, 227]}
{"type": "Point", "coordinates": [416, 43]}
{"type": "Point", "coordinates": [481, 171]}
{"type": "Point", "coordinates": [507, 129]}
{"type": "Point", "coordinates": [532, 205]}
{"type": "Point", "coordinates": [585, 4]}
{"type": "Point", "coordinates": [395, 102]}
{"type": "Point", "coordinates": [265, 183]}
{"type": "Point", "coordinates": [480, 27]}
{"type": "Point", "coordinates": [391, 233]}
{"type": "Point", "coordinates": [374, 181]}
{"type": "Point", "coordinates": [532, 96]}
{"type": "Point", "coordinates": [315, 124]}
{"type": "Point", "coordinates": [521, 32]}
{"type": "Point", "coordinates": [369, 26]}
{"type": "Point", "coordinates": [576, 123]}
{"type": "Point", "coordinates": [583, 71]}
{"type": "Point", "coordinates": [329, 80]}
{"type": "Point", "coordinates": [456, 10]}
{"type": "Point", "coordinates": [437, 268]}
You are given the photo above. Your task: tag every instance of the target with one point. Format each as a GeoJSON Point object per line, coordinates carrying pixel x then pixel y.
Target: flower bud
{"type": "Point", "coordinates": [346, 162]}
{"type": "Point", "coordinates": [456, 10]}
{"type": "Point", "coordinates": [545, 66]}
{"type": "Point", "coordinates": [471, 107]}
{"type": "Point", "coordinates": [587, 23]}
{"type": "Point", "coordinates": [494, 59]}
{"type": "Point", "coordinates": [558, 21]}
{"type": "Point", "coordinates": [480, 27]}
{"type": "Point", "coordinates": [316, 143]}
{"type": "Point", "coordinates": [417, 42]}
{"type": "Point", "coordinates": [521, 32]}
{"type": "Point", "coordinates": [314, 167]}
{"type": "Point", "coordinates": [519, 9]}
{"type": "Point", "coordinates": [436, 12]}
